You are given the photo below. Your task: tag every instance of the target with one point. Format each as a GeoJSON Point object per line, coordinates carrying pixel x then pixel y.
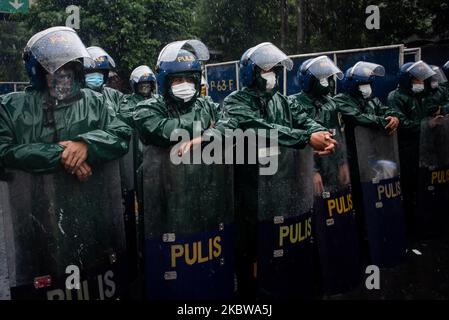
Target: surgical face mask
{"type": "Point", "coordinates": [324, 82]}
{"type": "Point", "coordinates": [418, 87]}
{"type": "Point", "coordinates": [270, 78]}
{"type": "Point", "coordinates": [365, 90]}
{"type": "Point", "coordinates": [185, 91]}
{"type": "Point", "coordinates": [62, 84]}
{"type": "Point", "coordinates": [144, 89]}
{"type": "Point", "coordinates": [94, 80]}
{"type": "Point", "coordinates": [434, 84]}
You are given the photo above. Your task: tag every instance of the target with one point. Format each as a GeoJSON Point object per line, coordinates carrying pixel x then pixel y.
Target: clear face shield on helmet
{"type": "Point", "coordinates": [322, 68]}
{"type": "Point", "coordinates": [170, 51]}
{"type": "Point", "coordinates": [266, 55]}
{"type": "Point", "coordinates": [366, 70]}
{"type": "Point", "coordinates": [57, 46]}
{"type": "Point", "coordinates": [98, 54]}
{"type": "Point", "coordinates": [420, 70]}
{"type": "Point", "coordinates": [439, 76]}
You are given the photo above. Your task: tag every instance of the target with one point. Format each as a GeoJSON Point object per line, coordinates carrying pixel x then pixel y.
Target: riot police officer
{"type": "Point", "coordinates": [411, 100]}
{"type": "Point", "coordinates": [143, 85]}
{"type": "Point", "coordinates": [96, 76]}
{"type": "Point", "coordinates": [61, 138]}
{"type": "Point", "coordinates": [339, 270]}
{"type": "Point", "coordinates": [49, 132]}
{"type": "Point", "coordinates": [180, 201]}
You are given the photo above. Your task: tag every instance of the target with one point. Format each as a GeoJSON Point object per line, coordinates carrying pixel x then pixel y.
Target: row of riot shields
{"type": "Point", "coordinates": [61, 239]}
{"type": "Point", "coordinates": [210, 229]}
{"type": "Point", "coordinates": [207, 225]}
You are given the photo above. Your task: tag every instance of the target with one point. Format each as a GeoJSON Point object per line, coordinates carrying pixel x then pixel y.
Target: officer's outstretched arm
{"type": "Point", "coordinates": [31, 157]}
{"type": "Point", "coordinates": [289, 137]}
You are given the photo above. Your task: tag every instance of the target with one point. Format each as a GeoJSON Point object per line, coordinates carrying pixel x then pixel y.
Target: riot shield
{"type": "Point", "coordinates": [274, 226]}
{"type": "Point", "coordinates": [129, 196]}
{"type": "Point", "coordinates": [188, 223]}
{"type": "Point", "coordinates": [433, 189]}
{"type": "Point", "coordinates": [55, 227]}
{"type": "Point", "coordinates": [334, 221]}
{"type": "Point", "coordinates": [378, 162]}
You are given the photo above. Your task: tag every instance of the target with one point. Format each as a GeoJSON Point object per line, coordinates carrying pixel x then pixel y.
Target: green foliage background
{"type": "Point", "coordinates": [134, 31]}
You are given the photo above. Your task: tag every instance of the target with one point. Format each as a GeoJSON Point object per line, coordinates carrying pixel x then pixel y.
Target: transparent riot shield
{"type": "Point", "coordinates": [378, 161]}
{"type": "Point", "coordinates": [334, 221]}
{"type": "Point", "coordinates": [274, 225]}
{"type": "Point", "coordinates": [433, 189]}
{"type": "Point", "coordinates": [56, 228]}
{"type": "Point", "coordinates": [129, 194]}
{"type": "Point", "coordinates": [188, 222]}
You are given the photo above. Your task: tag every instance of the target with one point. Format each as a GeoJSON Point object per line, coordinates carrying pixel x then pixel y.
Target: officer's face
{"type": "Point", "coordinates": [417, 81]}
{"type": "Point", "coordinates": [61, 84]}
{"type": "Point", "coordinates": [179, 80]}
{"type": "Point", "coordinates": [144, 89]}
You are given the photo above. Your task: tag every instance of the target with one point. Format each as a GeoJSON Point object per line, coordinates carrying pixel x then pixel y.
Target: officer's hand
{"type": "Point", "coordinates": [328, 150]}
{"type": "Point", "coordinates": [84, 172]}
{"type": "Point", "coordinates": [186, 146]}
{"type": "Point", "coordinates": [322, 142]}
{"type": "Point", "coordinates": [435, 121]}
{"type": "Point", "coordinates": [74, 154]}
{"type": "Point", "coordinates": [392, 125]}
{"type": "Point", "coordinates": [318, 184]}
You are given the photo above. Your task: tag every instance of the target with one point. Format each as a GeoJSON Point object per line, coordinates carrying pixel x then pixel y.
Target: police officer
{"type": "Point", "coordinates": [178, 75]}
{"type": "Point", "coordinates": [359, 107]}
{"type": "Point", "coordinates": [70, 128]}
{"type": "Point", "coordinates": [96, 76]}
{"type": "Point", "coordinates": [357, 103]}
{"type": "Point", "coordinates": [143, 85]}
{"type": "Point", "coordinates": [179, 107]}
{"type": "Point", "coordinates": [411, 100]}
{"type": "Point", "coordinates": [315, 76]}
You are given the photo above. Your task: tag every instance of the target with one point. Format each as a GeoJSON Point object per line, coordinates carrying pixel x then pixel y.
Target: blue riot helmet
{"type": "Point", "coordinates": [314, 74]}
{"type": "Point", "coordinates": [180, 59]}
{"type": "Point", "coordinates": [265, 56]}
{"type": "Point", "coordinates": [361, 73]}
{"type": "Point", "coordinates": [47, 51]}
{"type": "Point", "coordinates": [140, 76]}
{"type": "Point", "coordinates": [418, 70]}
{"type": "Point", "coordinates": [97, 73]}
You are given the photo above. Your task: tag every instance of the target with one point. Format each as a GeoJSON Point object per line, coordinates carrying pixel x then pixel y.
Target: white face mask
{"type": "Point", "coordinates": [366, 90]}
{"type": "Point", "coordinates": [417, 87]}
{"type": "Point", "coordinates": [184, 91]}
{"type": "Point", "coordinates": [270, 77]}
{"type": "Point", "coordinates": [434, 84]}
{"type": "Point", "coordinates": [324, 82]}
